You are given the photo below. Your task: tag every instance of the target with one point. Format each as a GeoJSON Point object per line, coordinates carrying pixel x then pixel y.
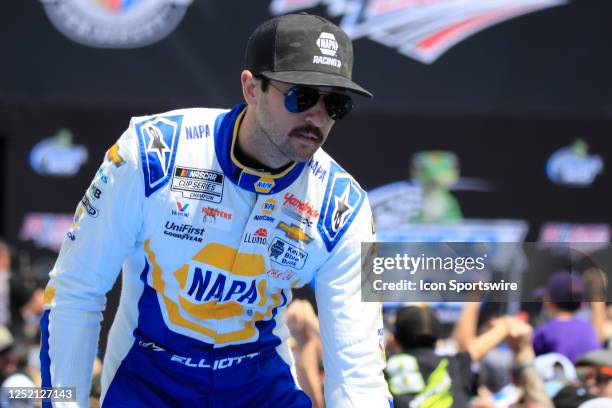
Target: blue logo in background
{"type": "Point", "coordinates": [342, 201]}
{"type": "Point", "coordinates": [158, 140]}
{"type": "Point", "coordinates": [57, 156]}
{"type": "Point", "coordinates": [573, 166]}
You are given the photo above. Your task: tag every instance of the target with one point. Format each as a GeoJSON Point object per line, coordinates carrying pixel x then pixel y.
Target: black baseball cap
{"type": "Point", "coordinates": [302, 49]}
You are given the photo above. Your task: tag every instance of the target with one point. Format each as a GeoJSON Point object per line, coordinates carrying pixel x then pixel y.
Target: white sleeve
{"type": "Point", "coordinates": [104, 231]}
{"type": "Point", "coordinates": [351, 330]}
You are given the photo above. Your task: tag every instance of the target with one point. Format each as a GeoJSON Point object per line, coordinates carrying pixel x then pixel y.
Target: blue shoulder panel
{"type": "Point", "coordinates": [341, 203]}
{"type": "Point", "coordinates": [158, 140]}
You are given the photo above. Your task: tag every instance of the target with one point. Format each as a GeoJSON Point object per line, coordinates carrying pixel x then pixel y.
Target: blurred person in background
{"type": "Point", "coordinates": [565, 332]}
{"type": "Point", "coordinates": [595, 371]}
{"type": "Point", "coordinates": [14, 371]}
{"type": "Point", "coordinates": [5, 276]}
{"type": "Point", "coordinates": [418, 377]}
{"type": "Point", "coordinates": [307, 349]}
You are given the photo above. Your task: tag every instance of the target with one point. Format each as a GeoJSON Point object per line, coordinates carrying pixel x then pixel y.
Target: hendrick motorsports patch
{"type": "Point", "coordinates": [198, 184]}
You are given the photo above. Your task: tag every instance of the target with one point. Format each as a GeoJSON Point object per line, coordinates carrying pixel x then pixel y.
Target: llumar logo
{"type": "Point", "coordinates": [419, 29]}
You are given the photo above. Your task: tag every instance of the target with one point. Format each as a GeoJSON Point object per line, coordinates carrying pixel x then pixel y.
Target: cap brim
{"type": "Point", "coordinates": [316, 79]}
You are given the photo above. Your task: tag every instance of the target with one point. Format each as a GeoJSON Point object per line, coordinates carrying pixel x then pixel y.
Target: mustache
{"type": "Point", "coordinates": [308, 129]}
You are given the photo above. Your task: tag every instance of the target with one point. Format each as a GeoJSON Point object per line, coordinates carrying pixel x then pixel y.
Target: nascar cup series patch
{"type": "Point", "coordinates": [342, 201]}
{"type": "Point", "coordinates": [158, 140]}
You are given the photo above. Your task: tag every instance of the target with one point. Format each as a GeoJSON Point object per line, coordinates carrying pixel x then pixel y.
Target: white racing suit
{"type": "Point", "coordinates": [209, 251]}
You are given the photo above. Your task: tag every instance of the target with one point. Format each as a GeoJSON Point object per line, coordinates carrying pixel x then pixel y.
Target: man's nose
{"type": "Point", "coordinates": [317, 115]}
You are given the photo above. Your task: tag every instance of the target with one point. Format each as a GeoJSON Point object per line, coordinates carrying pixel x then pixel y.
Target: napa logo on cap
{"type": "Point", "coordinates": [116, 23]}
{"type": "Point", "coordinates": [329, 47]}
{"type": "Point", "coordinates": [327, 44]}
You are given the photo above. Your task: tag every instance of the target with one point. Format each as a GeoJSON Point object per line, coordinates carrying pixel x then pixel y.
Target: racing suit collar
{"type": "Point", "coordinates": [260, 182]}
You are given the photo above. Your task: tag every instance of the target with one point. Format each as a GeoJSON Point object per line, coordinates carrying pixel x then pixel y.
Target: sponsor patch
{"type": "Point", "coordinates": [158, 140]}
{"type": "Point", "coordinates": [258, 237]}
{"type": "Point", "coordinates": [198, 184]}
{"type": "Point", "coordinates": [95, 192]}
{"type": "Point", "coordinates": [195, 362]}
{"type": "Point", "coordinates": [283, 253]}
{"type": "Point", "coordinates": [284, 275]}
{"type": "Point", "coordinates": [114, 157]}
{"type": "Point", "coordinates": [185, 232]}
{"type": "Point", "coordinates": [197, 132]}
{"type": "Point", "coordinates": [180, 209]}
{"type": "Point", "coordinates": [266, 218]}
{"type": "Point", "coordinates": [294, 232]}
{"type": "Point", "coordinates": [342, 201]}
{"type": "Point", "coordinates": [91, 210]}
{"type": "Point", "coordinates": [269, 206]}
{"type": "Point", "coordinates": [218, 218]}
{"type": "Point", "coordinates": [264, 185]}
{"type": "Point", "coordinates": [102, 176]}
{"type": "Point", "coordinates": [301, 208]}
{"type": "Point", "coordinates": [317, 169]}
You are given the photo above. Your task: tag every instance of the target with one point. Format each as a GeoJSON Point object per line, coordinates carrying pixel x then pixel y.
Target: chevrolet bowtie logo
{"type": "Point", "coordinates": [294, 232]}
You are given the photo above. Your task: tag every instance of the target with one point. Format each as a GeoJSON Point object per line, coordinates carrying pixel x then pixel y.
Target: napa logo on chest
{"type": "Point", "coordinates": [205, 285]}
{"type": "Point", "coordinates": [197, 131]}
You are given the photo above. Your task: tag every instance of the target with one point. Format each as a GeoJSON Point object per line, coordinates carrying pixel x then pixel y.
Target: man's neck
{"type": "Point", "coordinates": [250, 151]}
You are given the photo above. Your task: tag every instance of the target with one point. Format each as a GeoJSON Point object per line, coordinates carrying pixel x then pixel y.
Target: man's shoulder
{"type": "Point", "coordinates": [161, 136]}
{"type": "Point", "coordinates": [196, 113]}
{"type": "Point", "coordinates": [341, 198]}
{"type": "Point", "coordinates": [323, 166]}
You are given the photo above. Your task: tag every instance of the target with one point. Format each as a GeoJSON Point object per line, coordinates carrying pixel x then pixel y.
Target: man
{"type": "Point", "coordinates": [565, 332]}
{"type": "Point", "coordinates": [214, 216]}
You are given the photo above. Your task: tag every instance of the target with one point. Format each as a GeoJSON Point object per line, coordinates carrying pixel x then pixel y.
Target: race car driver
{"type": "Point", "coordinates": [214, 216]}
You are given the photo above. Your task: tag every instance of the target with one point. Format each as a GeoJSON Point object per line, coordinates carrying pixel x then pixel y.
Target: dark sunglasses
{"type": "Point", "coordinates": [301, 98]}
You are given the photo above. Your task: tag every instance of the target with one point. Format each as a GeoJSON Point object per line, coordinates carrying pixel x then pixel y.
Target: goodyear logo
{"type": "Point", "coordinates": [294, 232]}
{"type": "Point", "coordinates": [264, 185]}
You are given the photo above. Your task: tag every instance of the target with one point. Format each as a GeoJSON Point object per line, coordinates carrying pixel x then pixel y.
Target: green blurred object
{"type": "Point", "coordinates": [436, 171]}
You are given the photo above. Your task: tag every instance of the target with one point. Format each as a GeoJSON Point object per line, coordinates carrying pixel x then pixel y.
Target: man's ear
{"type": "Point", "coordinates": [250, 87]}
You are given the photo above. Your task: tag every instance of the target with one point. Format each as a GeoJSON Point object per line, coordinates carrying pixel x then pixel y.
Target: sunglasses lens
{"type": "Point", "coordinates": [338, 105]}
{"type": "Point", "coordinates": [301, 98]}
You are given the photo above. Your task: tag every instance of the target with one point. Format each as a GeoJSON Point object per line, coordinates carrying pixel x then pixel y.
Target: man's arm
{"type": "Point", "coordinates": [104, 231]}
{"type": "Point", "coordinates": [351, 330]}
{"type": "Point", "coordinates": [520, 339]}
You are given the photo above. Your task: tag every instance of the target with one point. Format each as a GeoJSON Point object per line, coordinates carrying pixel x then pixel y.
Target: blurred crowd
{"type": "Point", "coordinates": [556, 354]}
